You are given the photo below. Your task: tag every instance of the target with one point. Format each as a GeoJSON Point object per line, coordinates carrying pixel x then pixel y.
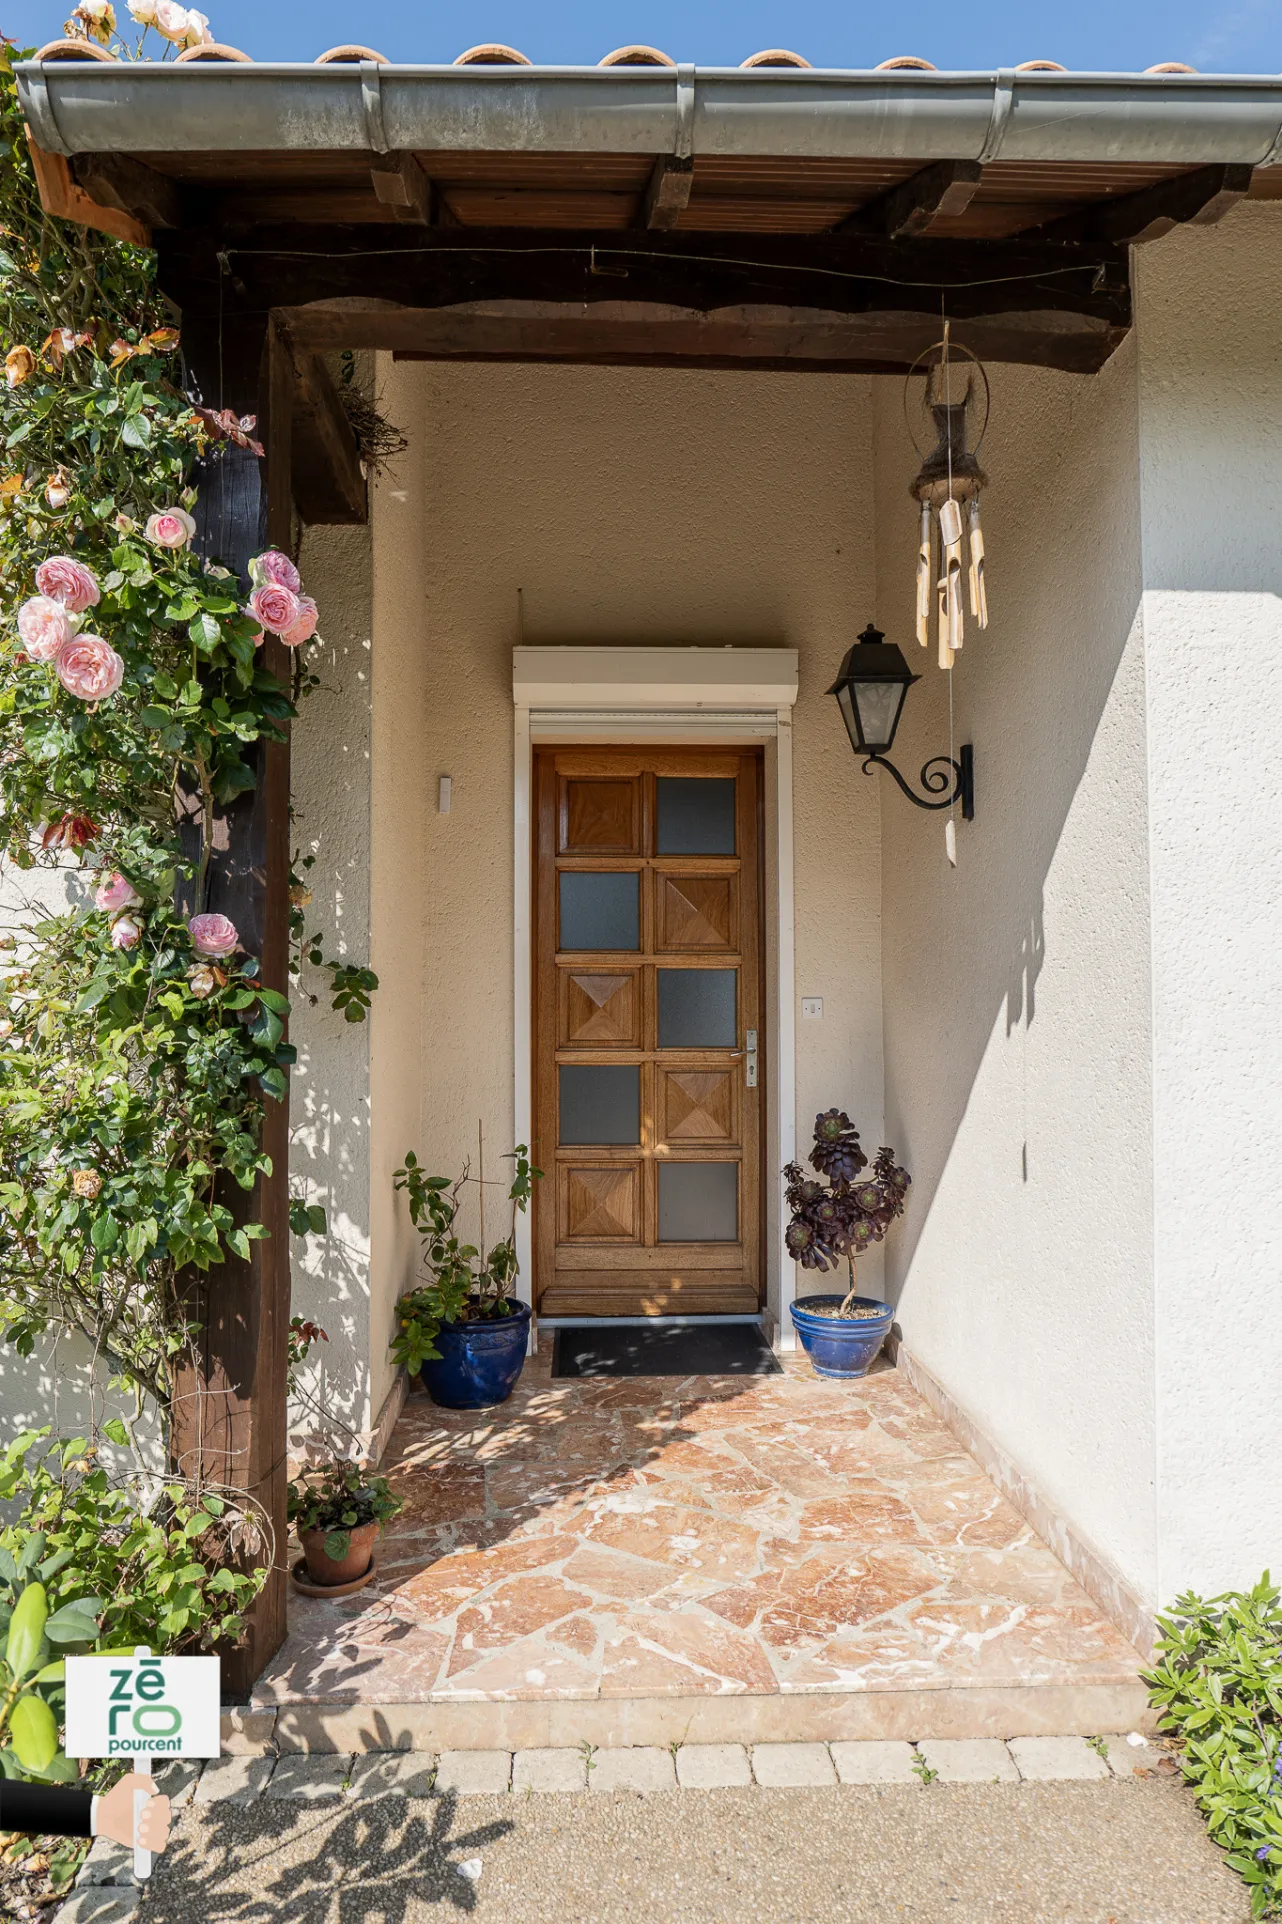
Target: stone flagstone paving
{"type": "Point", "coordinates": [658, 1536]}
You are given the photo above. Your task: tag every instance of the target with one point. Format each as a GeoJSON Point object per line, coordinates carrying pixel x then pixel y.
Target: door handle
{"type": "Point", "coordinates": [750, 1060]}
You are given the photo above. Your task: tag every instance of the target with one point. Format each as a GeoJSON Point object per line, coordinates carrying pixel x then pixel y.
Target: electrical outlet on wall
{"type": "Point", "coordinates": [812, 1008]}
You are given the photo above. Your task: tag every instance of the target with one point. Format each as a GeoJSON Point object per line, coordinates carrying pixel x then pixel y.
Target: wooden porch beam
{"type": "Point", "coordinates": [944, 188]}
{"type": "Point", "coordinates": [115, 180]}
{"type": "Point", "coordinates": [328, 480]}
{"type": "Point", "coordinates": [638, 334]}
{"type": "Point", "coordinates": [230, 1406]}
{"type": "Point", "coordinates": [400, 183]}
{"type": "Point", "coordinates": [667, 193]}
{"type": "Point", "coordinates": [1201, 197]}
{"type": "Point", "coordinates": [293, 266]}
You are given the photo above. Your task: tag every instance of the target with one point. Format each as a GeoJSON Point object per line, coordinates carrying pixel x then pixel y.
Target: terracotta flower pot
{"type": "Point", "coordinates": [322, 1568]}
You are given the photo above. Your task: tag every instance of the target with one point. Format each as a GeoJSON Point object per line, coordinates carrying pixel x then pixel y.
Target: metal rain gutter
{"type": "Point", "coordinates": [210, 106]}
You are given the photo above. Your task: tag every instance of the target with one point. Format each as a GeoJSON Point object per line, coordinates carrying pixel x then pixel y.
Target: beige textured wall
{"type": "Point", "coordinates": [330, 1087]}
{"type": "Point", "coordinates": [1211, 427]}
{"type": "Point", "coordinates": [1017, 986]}
{"type": "Point", "coordinates": [629, 507]}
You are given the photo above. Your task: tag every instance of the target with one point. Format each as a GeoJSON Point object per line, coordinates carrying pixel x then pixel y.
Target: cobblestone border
{"type": "Point", "coordinates": [105, 1892]}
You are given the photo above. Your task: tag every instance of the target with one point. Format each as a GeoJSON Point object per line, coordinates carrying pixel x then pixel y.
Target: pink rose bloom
{"type": "Point", "coordinates": [277, 567]}
{"type": "Point", "coordinates": [125, 932]}
{"type": "Point", "coordinates": [171, 21]}
{"type": "Point", "coordinates": [259, 639]}
{"type": "Point", "coordinates": [43, 625]}
{"type": "Point", "coordinates": [89, 667]}
{"type": "Point", "coordinates": [213, 935]}
{"type": "Point", "coordinates": [275, 608]}
{"type": "Point", "coordinates": [114, 892]}
{"type": "Point", "coordinates": [305, 627]}
{"type": "Point", "coordinates": [171, 528]}
{"type": "Point", "coordinates": [68, 581]}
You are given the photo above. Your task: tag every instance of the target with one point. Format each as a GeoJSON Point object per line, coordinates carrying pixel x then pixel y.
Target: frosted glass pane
{"type": "Point", "coordinates": [600, 911]}
{"type": "Point", "coordinates": [696, 816]}
{"type": "Point", "coordinates": [698, 1202]}
{"type": "Point", "coordinates": [600, 1103]}
{"type": "Point", "coordinates": [697, 1008]}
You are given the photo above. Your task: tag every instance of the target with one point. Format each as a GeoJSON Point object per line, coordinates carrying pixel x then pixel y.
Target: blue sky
{"type": "Point", "coordinates": [1242, 36]}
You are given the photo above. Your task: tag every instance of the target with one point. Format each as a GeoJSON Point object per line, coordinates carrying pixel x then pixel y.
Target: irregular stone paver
{"type": "Point", "coordinates": [107, 1863]}
{"type": "Point", "coordinates": [643, 1767]}
{"type": "Point", "coordinates": [713, 1766]}
{"type": "Point", "coordinates": [792, 1766]}
{"type": "Point", "coordinates": [1045, 1760]}
{"type": "Point", "coordinates": [233, 1780]}
{"type": "Point", "coordinates": [396, 1773]}
{"type": "Point", "coordinates": [310, 1774]}
{"type": "Point", "coordinates": [1126, 1758]}
{"type": "Point", "coordinates": [474, 1773]}
{"type": "Point", "coordinates": [178, 1780]}
{"type": "Point", "coordinates": [100, 1904]}
{"type": "Point", "coordinates": [969, 1760]}
{"type": "Point", "coordinates": [659, 1536]}
{"type": "Point", "coordinates": [552, 1770]}
{"type": "Point", "coordinates": [875, 1762]}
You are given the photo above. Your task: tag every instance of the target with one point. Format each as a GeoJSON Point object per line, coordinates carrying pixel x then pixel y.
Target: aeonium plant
{"type": "Point", "coordinates": [845, 1212]}
{"type": "Point", "coordinates": [466, 1282]}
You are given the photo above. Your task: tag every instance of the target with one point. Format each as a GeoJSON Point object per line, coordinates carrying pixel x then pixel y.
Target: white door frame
{"type": "Point", "coordinates": [637, 696]}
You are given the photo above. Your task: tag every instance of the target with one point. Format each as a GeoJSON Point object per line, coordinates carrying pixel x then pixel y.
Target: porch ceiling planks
{"type": "Point", "coordinates": [834, 302]}
{"type": "Point", "coordinates": [712, 193]}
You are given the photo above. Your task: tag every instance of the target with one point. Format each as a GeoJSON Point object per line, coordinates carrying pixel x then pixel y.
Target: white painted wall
{"type": "Point", "coordinates": [1016, 987]}
{"type": "Point", "coordinates": [1210, 404]}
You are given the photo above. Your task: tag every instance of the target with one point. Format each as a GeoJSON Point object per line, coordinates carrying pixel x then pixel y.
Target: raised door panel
{"type": "Point", "coordinates": [697, 911]}
{"type": "Point", "coordinates": [598, 1205]}
{"type": "Point", "coordinates": [600, 815]}
{"type": "Point", "coordinates": [698, 1106]}
{"type": "Point", "coordinates": [599, 1010]}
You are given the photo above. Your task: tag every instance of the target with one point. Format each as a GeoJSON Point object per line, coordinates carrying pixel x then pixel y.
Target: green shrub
{"type": "Point", "coordinates": [1218, 1686]}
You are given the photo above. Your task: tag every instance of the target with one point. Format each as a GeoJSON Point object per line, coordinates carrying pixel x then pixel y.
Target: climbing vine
{"type": "Point", "coordinates": [138, 1046]}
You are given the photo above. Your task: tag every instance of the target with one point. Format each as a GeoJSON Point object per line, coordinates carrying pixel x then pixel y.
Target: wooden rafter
{"type": "Point", "coordinates": [667, 193]}
{"type": "Point", "coordinates": [1202, 197]}
{"type": "Point", "coordinates": [945, 187]}
{"type": "Point", "coordinates": [328, 480]}
{"type": "Point", "coordinates": [132, 187]}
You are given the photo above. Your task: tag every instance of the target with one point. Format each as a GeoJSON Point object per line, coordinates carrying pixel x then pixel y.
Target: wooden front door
{"type": "Point", "coordinates": [649, 1071]}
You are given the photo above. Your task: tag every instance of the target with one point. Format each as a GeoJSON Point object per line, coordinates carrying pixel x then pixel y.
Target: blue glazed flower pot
{"type": "Point", "coordinates": [479, 1362]}
{"type": "Point", "coordinates": [837, 1347]}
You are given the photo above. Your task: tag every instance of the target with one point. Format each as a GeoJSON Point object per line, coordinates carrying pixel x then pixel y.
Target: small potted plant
{"type": "Point", "coordinates": [839, 1217]}
{"type": "Point", "coordinates": [338, 1509]}
{"type": "Point", "coordinates": [464, 1329]}
{"type": "Point", "coordinates": [336, 1504]}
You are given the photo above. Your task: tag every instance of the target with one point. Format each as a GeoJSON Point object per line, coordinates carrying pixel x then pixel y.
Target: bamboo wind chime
{"type": "Point", "coordinates": [954, 403]}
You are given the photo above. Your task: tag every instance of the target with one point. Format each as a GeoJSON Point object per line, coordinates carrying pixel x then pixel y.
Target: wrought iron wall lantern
{"type": "Point", "coordinates": [870, 690]}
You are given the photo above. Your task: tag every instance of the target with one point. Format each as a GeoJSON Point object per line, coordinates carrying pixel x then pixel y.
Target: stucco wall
{"type": "Point", "coordinates": [1017, 986]}
{"type": "Point", "coordinates": [1210, 396]}
{"type": "Point", "coordinates": [628, 507]}
{"type": "Point", "coordinates": [330, 1088]}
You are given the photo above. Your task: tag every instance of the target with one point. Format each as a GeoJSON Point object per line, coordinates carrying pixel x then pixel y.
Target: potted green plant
{"type": "Point", "coordinates": [336, 1503]}
{"type": "Point", "coordinates": [836, 1215]}
{"type": "Point", "coordinates": [464, 1329]}
{"type": "Point", "coordinates": [338, 1508]}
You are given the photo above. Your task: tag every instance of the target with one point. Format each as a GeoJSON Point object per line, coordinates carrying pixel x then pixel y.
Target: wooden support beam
{"type": "Point", "coordinates": [667, 193]}
{"type": "Point", "coordinates": [400, 183]}
{"type": "Point", "coordinates": [1201, 197]}
{"type": "Point", "coordinates": [230, 1407]}
{"type": "Point", "coordinates": [627, 334]}
{"type": "Point", "coordinates": [945, 188]}
{"type": "Point", "coordinates": [114, 180]}
{"type": "Point", "coordinates": [294, 266]}
{"type": "Point", "coordinates": [64, 197]}
{"type": "Point", "coordinates": [328, 480]}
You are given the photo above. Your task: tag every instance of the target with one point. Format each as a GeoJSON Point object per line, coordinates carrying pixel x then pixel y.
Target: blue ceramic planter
{"type": "Point", "coordinates": [479, 1362]}
{"type": "Point", "coordinates": [838, 1348]}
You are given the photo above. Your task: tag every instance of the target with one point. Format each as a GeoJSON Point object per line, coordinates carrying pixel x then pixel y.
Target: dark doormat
{"type": "Point", "coordinates": [707, 1349]}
